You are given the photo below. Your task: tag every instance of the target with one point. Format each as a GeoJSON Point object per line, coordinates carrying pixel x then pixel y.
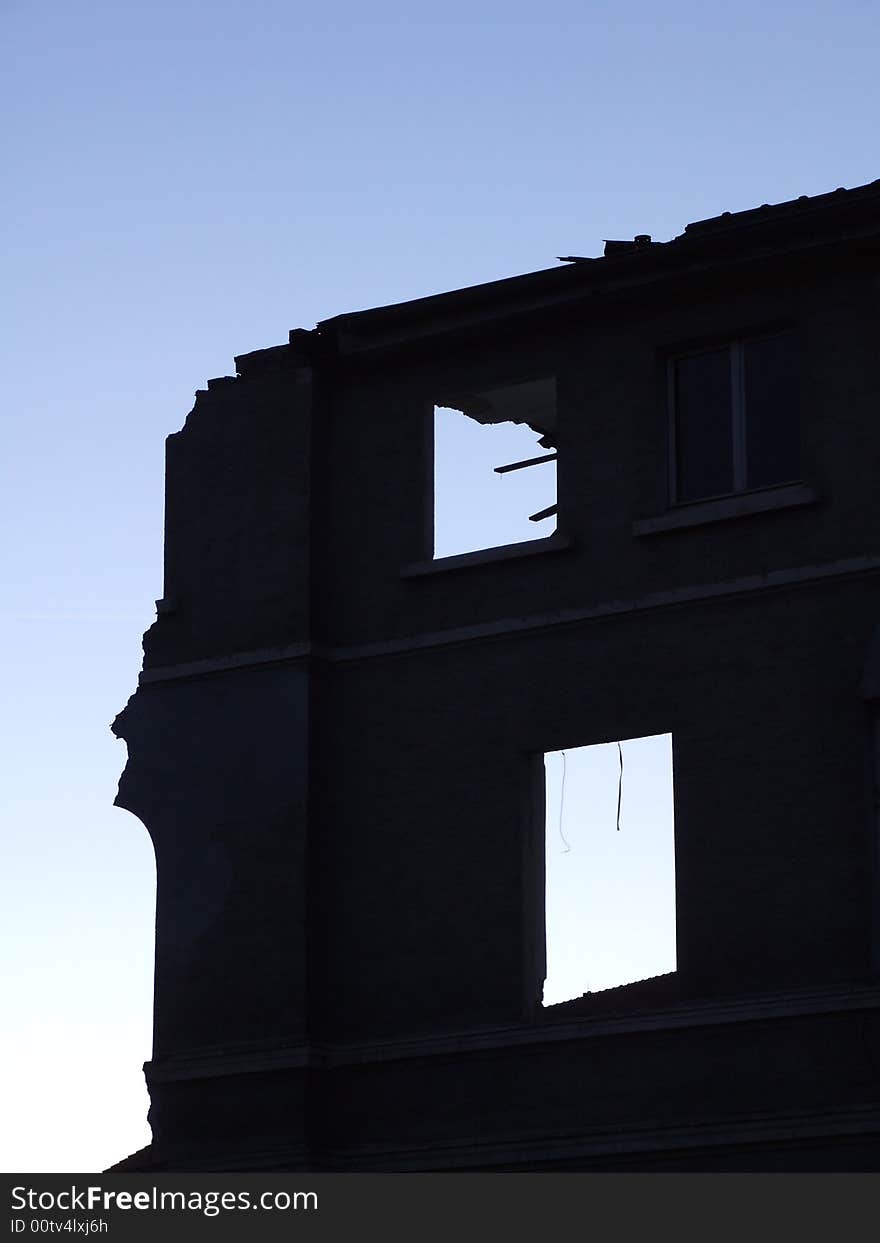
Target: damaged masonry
{"type": "Point", "coordinates": [343, 739]}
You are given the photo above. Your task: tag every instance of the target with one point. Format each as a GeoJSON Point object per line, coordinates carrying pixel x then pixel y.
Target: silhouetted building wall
{"type": "Point", "coordinates": [336, 744]}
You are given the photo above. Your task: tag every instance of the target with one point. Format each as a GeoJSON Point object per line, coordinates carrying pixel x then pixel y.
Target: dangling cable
{"type": "Point", "coordinates": [619, 784]}
{"type": "Point", "coordinates": [562, 804]}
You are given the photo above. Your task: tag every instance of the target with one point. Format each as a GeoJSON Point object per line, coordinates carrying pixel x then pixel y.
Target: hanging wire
{"type": "Point", "coordinates": [562, 804]}
{"type": "Point", "coordinates": [619, 784]}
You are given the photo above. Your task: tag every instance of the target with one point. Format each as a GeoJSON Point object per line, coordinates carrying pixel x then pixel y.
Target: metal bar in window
{"type": "Point", "coordinates": [532, 461]}
{"type": "Point", "coordinates": [738, 421]}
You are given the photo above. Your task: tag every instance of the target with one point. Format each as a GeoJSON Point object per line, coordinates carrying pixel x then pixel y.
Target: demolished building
{"type": "Point", "coordinates": [337, 743]}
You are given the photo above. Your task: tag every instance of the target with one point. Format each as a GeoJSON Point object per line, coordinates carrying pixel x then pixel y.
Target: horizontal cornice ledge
{"type": "Point", "coordinates": [773, 580]}
{"type": "Point", "coordinates": [265, 1057]}
{"type": "Point", "coordinates": [653, 1136]}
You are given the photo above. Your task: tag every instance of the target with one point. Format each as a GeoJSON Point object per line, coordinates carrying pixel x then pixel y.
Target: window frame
{"type": "Point", "coordinates": [734, 345]}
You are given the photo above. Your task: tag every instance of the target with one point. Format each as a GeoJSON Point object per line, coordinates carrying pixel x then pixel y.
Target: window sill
{"type": "Point", "coordinates": [698, 513]}
{"type": "Point", "coordinates": [485, 556]}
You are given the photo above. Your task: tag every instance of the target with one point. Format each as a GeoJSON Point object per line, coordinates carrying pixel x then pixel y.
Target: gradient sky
{"type": "Point", "coordinates": [187, 181]}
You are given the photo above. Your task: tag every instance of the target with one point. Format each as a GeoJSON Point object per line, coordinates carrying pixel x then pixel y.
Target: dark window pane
{"type": "Point", "coordinates": [771, 401]}
{"type": "Point", "coordinates": [703, 439]}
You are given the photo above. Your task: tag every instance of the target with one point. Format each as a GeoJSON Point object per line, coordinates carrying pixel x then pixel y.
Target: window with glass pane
{"type": "Point", "coordinates": [735, 418]}
{"type": "Point", "coordinates": [703, 431]}
{"type": "Point", "coordinates": [772, 434]}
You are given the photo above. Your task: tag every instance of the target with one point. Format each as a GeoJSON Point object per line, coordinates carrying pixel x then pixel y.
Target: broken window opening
{"type": "Point", "coordinates": [494, 467]}
{"type": "Point", "coordinates": [609, 913]}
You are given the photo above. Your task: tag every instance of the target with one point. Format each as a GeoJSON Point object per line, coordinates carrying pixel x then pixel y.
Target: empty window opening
{"type": "Point", "coordinates": [494, 467]}
{"type": "Point", "coordinates": [610, 893]}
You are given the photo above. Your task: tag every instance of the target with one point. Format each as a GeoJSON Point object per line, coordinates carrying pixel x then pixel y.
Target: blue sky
{"type": "Point", "coordinates": [188, 181]}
